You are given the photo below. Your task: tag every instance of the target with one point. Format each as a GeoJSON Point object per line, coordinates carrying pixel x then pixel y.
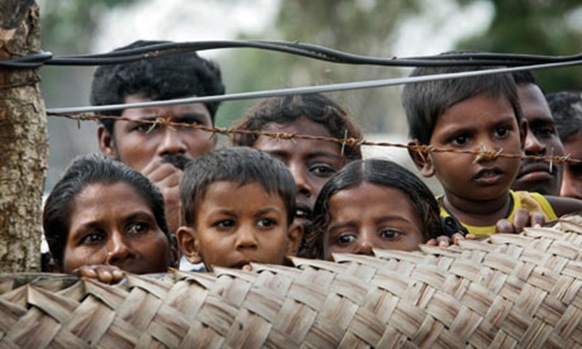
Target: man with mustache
{"type": "Point", "coordinates": [542, 139]}
{"type": "Point", "coordinates": [158, 151]}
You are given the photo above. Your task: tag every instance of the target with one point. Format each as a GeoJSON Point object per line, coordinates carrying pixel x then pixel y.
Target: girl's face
{"type": "Point", "coordinates": [371, 216]}
{"type": "Point", "coordinates": [112, 224]}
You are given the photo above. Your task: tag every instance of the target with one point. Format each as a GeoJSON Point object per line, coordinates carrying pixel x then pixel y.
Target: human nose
{"type": "Point", "coordinates": [533, 146]}
{"type": "Point", "coordinates": [117, 249]}
{"type": "Point", "coordinates": [364, 244]}
{"type": "Point", "coordinates": [245, 238]}
{"type": "Point", "coordinates": [172, 142]}
{"type": "Point", "coordinates": [302, 185]}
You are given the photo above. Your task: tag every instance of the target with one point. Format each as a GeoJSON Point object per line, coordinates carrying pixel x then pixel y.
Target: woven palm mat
{"type": "Point", "coordinates": [509, 291]}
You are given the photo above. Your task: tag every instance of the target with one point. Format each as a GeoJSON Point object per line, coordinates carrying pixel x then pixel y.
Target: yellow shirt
{"type": "Point", "coordinates": [533, 202]}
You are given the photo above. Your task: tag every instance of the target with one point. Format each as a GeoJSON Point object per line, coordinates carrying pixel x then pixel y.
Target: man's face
{"type": "Point", "coordinates": [138, 144]}
{"type": "Point", "coordinates": [542, 140]}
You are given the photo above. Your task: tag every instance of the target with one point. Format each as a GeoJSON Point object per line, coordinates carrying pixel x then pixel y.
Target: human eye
{"type": "Point", "coordinates": [146, 128]}
{"type": "Point", "coordinates": [546, 131]}
{"type": "Point", "coordinates": [322, 170]}
{"type": "Point", "coordinates": [137, 228]}
{"type": "Point", "coordinates": [389, 234]}
{"type": "Point", "coordinates": [190, 120]}
{"type": "Point", "coordinates": [345, 239]}
{"type": "Point", "coordinates": [266, 223]}
{"type": "Point", "coordinates": [460, 139]}
{"type": "Point", "coordinates": [92, 238]}
{"type": "Point", "coordinates": [224, 224]}
{"type": "Point", "coordinates": [502, 131]}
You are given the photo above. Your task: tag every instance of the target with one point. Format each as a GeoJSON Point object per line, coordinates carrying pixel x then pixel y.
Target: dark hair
{"type": "Point", "coordinates": [83, 172]}
{"type": "Point", "coordinates": [159, 76]}
{"type": "Point", "coordinates": [523, 77]}
{"type": "Point", "coordinates": [425, 102]}
{"type": "Point", "coordinates": [566, 107]}
{"type": "Point", "coordinates": [288, 109]}
{"type": "Point", "coordinates": [242, 164]}
{"type": "Point", "coordinates": [387, 174]}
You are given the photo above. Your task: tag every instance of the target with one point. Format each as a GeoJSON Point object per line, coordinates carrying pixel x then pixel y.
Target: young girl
{"type": "Point", "coordinates": [312, 162]}
{"type": "Point", "coordinates": [374, 204]}
{"type": "Point", "coordinates": [103, 217]}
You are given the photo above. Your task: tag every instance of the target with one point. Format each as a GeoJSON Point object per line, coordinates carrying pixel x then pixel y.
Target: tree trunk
{"type": "Point", "coordinates": [23, 140]}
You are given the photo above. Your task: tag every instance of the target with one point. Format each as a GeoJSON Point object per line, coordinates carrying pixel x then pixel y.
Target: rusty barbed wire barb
{"type": "Point", "coordinates": [422, 149]}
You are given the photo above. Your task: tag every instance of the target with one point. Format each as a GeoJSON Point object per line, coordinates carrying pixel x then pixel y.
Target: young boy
{"type": "Point", "coordinates": [238, 207]}
{"type": "Point", "coordinates": [476, 114]}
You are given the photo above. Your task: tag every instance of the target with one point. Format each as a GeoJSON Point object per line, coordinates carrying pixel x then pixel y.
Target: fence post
{"type": "Point", "coordinates": [23, 140]}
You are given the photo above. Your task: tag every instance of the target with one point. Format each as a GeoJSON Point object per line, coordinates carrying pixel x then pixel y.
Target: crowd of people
{"type": "Point", "coordinates": [161, 196]}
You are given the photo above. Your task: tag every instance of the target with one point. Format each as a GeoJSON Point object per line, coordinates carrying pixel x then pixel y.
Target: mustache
{"type": "Point", "coordinates": [177, 160]}
{"type": "Point", "coordinates": [553, 169]}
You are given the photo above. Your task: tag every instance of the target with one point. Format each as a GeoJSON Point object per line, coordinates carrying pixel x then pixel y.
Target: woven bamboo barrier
{"type": "Point", "coordinates": [510, 291]}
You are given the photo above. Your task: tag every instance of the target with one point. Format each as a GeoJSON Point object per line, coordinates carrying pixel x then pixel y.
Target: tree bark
{"type": "Point", "coordinates": [23, 140]}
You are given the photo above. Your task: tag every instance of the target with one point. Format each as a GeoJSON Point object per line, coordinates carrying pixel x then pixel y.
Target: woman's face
{"type": "Point", "coordinates": [112, 224]}
{"type": "Point", "coordinates": [312, 162]}
{"type": "Point", "coordinates": [371, 216]}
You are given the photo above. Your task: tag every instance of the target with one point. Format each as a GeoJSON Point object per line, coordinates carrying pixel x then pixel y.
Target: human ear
{"type": "Point", "coordinates": [421, 159]}
{"type": "Point", "coordinates": [294, 235]}
{"type": "Point", "coordinates": [188, 244]}
{"type": "Point", "coordinates": [523, 129]}
{"type": "Point", "coordinates": [105, 141]}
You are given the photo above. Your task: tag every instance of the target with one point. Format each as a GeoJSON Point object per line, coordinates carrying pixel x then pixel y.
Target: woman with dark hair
{"type": "Point", "coordinates": [374, 204]}
{"type": "Point", "coordinates": [103, 218]}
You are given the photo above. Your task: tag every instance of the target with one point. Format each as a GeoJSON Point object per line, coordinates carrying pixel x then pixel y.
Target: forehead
{"type": "Point", "coordinates": [99, 200]}
{"type": "Point", "coordinates": [380, 198]}
{"type": "Point", "coordinates": [533, 102]}
{"type": "Point", "coordinates": [476, 110]}
{"type": "Point", "coordinates": [303, 126]}
{"type": "Point", "coordinates": [170, 110]}
{"type": "Point", "coordinates": [232, 194]}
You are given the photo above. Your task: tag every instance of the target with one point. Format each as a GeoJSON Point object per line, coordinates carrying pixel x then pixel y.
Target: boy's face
{"type": "Point", "coordinates": [137, 144]}
{"type": "Point", "coordinates": [480, 122]}
{"type": "Point", "coordinates": [371, 216]}
{"type": "Point", "coordinates": [237, 225]}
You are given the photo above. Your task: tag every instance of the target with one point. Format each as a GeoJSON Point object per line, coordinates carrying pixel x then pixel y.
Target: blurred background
{"type": "Point", "coordinates": [382, 28]}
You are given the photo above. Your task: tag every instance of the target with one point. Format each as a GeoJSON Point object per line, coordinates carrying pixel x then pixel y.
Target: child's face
{"type": "Point", "coordinates": [371, 216]}
{"type": "Point", "coordinates": [237, 225]}
{"type": "Point", "coordinates": [311, 162]}
{"type": "Point", "coordinates": [112, 224]}
{"type": "Point", "coordinates": [480, 122]}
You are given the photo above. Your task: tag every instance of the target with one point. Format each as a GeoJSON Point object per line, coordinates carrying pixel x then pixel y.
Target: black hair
{"type": "Point", "coordinates": [425, 102]}
{"type": "Point", "coordinates": [85, 171]}
{"type": "Point", "coordinates": [523, 77]}
{"type": "Point", "coordinates": [160, 76]}
{"type": "Point", "coordinates": [288, 109]}
{"type": "Point", "coordinates": [387, 174]}
{"type": "Point", "coordinates": [241, 164]}
{"type": "Point", "coordinates": [566, 107]}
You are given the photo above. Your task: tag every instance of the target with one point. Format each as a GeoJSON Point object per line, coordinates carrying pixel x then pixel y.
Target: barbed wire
{"type": "Point", "coordinates": [421, 149]}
